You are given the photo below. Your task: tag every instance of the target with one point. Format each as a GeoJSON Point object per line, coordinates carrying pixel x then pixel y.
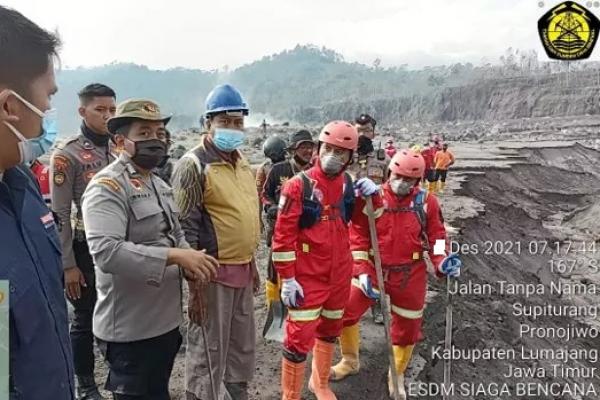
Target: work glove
{"type": "Point", "coordinates": [365, 187]}
{"type": "Point", "coordinates": [292, 294]}
{"type": "Point", "coordinates": [367, 287]}
{"type": "Point", "coordinates": [451, 265]}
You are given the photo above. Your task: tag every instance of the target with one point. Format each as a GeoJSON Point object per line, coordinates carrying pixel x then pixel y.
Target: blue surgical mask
{"type": "Point", "coordinates": [31, 149]}
{"type": "Point", "coordinates": [228, 140]}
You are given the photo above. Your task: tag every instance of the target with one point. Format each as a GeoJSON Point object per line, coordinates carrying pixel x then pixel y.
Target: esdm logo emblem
{"type": "Point", "coordinates": [569, 31]}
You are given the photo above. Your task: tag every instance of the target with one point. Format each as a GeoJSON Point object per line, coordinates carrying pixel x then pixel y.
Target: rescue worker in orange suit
{"type": "Point", "coordinates": [411, 224]}
{"type": "Point", "coordinates": [311, 253]}
{"type": "Point", "coordinates": [443, 160]}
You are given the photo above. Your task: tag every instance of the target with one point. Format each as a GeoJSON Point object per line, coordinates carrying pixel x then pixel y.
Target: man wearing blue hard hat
{"type": "Point", "coordinates": [216, 194]}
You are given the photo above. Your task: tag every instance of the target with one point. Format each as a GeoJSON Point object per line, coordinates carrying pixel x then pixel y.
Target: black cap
{"type": "Point", "coordinates": [300, 137]}
{"type": "Point", "coordinates": [364, 119]}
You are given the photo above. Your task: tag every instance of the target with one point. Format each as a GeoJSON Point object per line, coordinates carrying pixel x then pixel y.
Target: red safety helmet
{"type": "Point", "coordinates": [407, 163]}
{"type": "Point", "coordinates": [341, 134]}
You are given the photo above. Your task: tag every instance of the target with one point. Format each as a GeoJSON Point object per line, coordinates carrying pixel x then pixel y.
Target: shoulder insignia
{"type": "Point", "coordinates": [111, 183]}
{"type": "Point", "coordinates": [66, 142]}
{"type": "Point", "coordinates": [86, 155]}
{"type": "Point", "coordinates": [61, 163]}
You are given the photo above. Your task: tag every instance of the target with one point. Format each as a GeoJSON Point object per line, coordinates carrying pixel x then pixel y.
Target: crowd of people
{"type": "Point", "coordinates": [118, 237]}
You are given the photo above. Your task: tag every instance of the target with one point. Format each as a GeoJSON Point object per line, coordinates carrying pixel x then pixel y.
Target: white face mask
{"type": "Point", "coordinates": [402, 187]}
{"type": "Point", "coordinates": [331, 164]}
{"type": "Point", "coordinates": [32, 149]}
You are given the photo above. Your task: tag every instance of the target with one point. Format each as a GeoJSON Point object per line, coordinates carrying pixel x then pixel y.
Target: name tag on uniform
{"type": "Point", "coordinates": [47, 220]}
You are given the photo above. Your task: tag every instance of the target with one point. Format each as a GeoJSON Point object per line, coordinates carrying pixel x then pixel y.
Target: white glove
{"type": "Point", "coordinates": [367, 287]}
{"type": "Point", "coordinates": [292, 294]}
{"type": "Point", "coordinates": [365, 187]}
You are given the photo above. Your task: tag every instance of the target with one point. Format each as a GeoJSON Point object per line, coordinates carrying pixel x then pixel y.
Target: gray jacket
{"type": "Point", "coordinates": [131, 222]}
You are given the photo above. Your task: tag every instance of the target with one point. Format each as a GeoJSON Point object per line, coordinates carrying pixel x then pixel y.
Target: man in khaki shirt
{"type": "Point", "coordinates": [140, 253]}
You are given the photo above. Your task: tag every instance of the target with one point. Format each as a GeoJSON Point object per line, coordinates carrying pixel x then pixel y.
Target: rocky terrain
{"type": "Point", "coordinates": [521, 180]}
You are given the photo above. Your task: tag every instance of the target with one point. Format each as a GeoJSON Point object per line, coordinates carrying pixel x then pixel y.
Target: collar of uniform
{"type": "Point", "coordinates": [125, 159]}
{"type": "Point", "coordinates": [91, 138]}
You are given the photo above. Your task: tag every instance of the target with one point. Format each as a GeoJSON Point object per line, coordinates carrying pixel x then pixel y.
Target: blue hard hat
{"type": "Point", "coordinates": [225, 98]}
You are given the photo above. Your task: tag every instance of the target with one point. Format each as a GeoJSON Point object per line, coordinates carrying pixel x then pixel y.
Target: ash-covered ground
{"type": "Point", "coordinates": [520, 181]}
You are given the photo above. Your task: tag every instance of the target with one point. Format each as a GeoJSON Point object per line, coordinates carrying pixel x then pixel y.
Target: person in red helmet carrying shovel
{"type": "Point", "coordinates": [411, 224]}
{"type": "Point", "coordinates": [311, 253]}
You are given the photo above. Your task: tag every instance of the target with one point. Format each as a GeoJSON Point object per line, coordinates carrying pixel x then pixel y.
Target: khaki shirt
{"type": "Point", "coordinates": [131, 222]}
{"type": "Point", "coordinates": [370, 166]}
{"type": "Point", "coordinates": [72, 166]}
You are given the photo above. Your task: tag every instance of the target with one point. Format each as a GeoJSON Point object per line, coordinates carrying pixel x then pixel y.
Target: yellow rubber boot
{"type": "Point", "coordinates": [434, 187]}
{"type": "Point", "coordinates": [349, 345]}
{"type": "Point", "coordinates": [271, 293]}
{"type": "Point", "coordinates": [321, 366]}
{"type": "Point", "coordinates": [402, 356]}
{"type": "Point", "coordinates": [292, 379]}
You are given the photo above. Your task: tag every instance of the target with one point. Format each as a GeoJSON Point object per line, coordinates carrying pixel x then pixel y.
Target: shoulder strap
{"type": "Point", "coordinates": [307, 186]}
{"type": "Point", "coordinates": [419, 208]}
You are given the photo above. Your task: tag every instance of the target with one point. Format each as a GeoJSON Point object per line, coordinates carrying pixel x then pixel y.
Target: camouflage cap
{"type": "Point", "coordinates": [146, 110]}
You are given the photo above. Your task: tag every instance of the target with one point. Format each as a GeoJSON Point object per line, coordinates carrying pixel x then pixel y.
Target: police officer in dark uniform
{"type": "Point", "coordinates": [40, 359]}
{"type": "Point", "coordinates": [73, 165]}
{"type": "Point", "coordinates": [372, 164]}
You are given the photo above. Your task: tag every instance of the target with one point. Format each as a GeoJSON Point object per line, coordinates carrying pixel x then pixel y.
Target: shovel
{"type": "Point", "coordinates": [274, 328]}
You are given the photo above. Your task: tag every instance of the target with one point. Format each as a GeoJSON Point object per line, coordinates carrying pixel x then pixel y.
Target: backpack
{"type": "Point", "coordinates": [418, 207]}
{"type": "Point", "coordinates": [312, 208]}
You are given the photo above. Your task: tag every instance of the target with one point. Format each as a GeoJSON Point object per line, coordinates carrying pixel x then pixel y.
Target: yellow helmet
{"type": "Point", "coordinates": [416, 148]}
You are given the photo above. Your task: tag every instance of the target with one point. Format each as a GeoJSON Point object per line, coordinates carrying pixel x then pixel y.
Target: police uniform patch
{"type": "Point", "coordinates": [111, 183]}
{"type": "Point", "coordinates": [59, 178]}
{"type": "Point", "coordinates": [136, 184]}
{"type": "Point", "coordinates": [60, 163]}
{"type": "Point", "coordinates": [89, 175]}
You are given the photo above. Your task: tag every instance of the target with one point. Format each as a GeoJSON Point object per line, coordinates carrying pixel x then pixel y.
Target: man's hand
{"type": "Point", "coordinates": [292, 294]}
{"type": "Point", "coordinates": [196, 265]}
{"type": "Point", "coordinates": [367, 287]}
{"type": "Point", "coordinates": [74, 280]}
{"type": "Point", "coordinates": [365, 187]}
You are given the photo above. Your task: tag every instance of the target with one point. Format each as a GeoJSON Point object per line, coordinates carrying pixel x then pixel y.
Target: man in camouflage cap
{"type": "Point", "coordinates": [140, 253]}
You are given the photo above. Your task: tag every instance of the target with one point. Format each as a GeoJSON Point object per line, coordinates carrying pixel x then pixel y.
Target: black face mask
{"type": "Point", "coordinates": [365, 145]}
{"type": "Point", "coordinates": [150, 154]}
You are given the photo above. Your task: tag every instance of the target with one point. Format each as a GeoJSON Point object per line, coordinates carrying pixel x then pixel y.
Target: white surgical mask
{"type": "Point", "coordinates": [402, 187]}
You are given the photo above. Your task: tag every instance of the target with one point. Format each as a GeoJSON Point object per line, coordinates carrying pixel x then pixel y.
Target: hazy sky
{"type": "Point", "coordinates": [210, 34]}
